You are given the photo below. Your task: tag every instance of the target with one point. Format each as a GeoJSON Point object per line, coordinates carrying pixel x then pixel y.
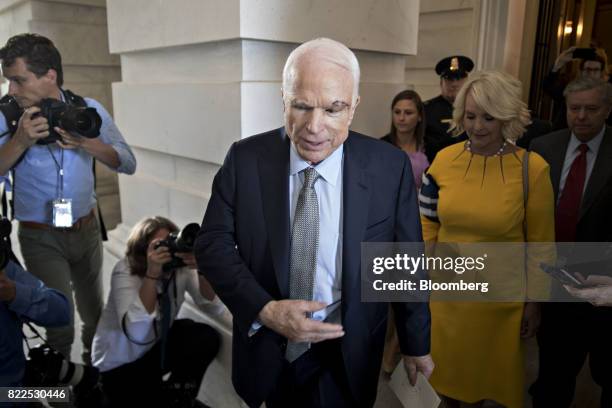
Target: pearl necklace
{"type": "Point", "coordinates": [468, 147]}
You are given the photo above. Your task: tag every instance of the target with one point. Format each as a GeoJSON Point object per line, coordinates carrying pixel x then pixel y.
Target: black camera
{"type": "Point", "coordinates": [584, 53]}
{"type": "Point", "coordinates": [181, 242]}
{"type": "Point", "coordinates": [84, 121]}
{"type": "Point", "coordinates": [46, 367]}
{"type": "Point", "coordinates": [5, 245]}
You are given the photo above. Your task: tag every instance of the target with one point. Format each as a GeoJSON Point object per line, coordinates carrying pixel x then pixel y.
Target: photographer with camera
{"type": "Point", "coordinates": [139, 339]}
{"type": "Point", "coordinates": [22, 298]}
{"type": "Point", "coordinates": [49, 138]}
{"type": "Point", "coordinates": [593, 64]}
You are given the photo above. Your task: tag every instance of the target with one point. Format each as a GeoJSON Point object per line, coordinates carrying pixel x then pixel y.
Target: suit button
{"type": "Point", "coordinates": [283, 345]}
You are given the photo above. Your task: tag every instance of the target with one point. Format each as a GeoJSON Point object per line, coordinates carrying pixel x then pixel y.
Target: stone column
{"type": "Point", "coordinates": [198, 77]}
{"type": "Point", "coordinates": [446, 27]}
{"type": "Point", "coordinates": [79, 30]}
{"type": "Point", "coordinates": [495, 34]}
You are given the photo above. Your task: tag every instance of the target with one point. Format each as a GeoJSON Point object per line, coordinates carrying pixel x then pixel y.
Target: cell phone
{"type": "Point", "coordinates": [584, 53]}
{"type": "Point", "coordinates": [561, 275]}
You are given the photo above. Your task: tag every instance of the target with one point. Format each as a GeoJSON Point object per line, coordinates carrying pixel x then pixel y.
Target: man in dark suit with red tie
{"type": "Point", "coordinates": [580, 160]}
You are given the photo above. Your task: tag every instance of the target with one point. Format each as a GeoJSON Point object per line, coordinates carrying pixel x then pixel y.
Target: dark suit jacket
{"type": "Point", "coordinates": [595, 222]}
{"type": "Point", "coordinates": [243, 249]}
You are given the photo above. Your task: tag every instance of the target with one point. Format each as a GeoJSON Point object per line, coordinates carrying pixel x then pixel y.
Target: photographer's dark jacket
{"type": "Point", "coordinates": [33, 302]}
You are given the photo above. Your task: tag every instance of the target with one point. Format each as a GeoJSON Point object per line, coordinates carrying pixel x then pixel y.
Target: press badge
{"type": "Point", "coordinates": [62, 213]}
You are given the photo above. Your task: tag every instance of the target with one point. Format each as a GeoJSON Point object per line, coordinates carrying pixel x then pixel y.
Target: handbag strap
{"type": "Point", "coordinates": [525, 190]}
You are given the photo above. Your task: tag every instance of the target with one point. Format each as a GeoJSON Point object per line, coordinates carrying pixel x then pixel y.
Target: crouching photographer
{"type": "Point", "coordinates": [139, 340]}
{"type": "Point", "coordinates": [23, 298]}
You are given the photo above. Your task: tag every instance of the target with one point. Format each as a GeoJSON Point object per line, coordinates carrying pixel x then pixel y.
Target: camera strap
{"type": "Point", "coordinates": [139, 343]}
{"type": "Point", "coordinates": [36, 335]}
{"type": "Point", "coordinates": [8, 204]}
{"type": "Point", "coordinates": [157, 335]}
{"type": "Point", "coordinates": [60, 171]}
{"type": "Point", "coordinates": [5, 202]}
{"type": "Point", "coordinates": [166, 310]}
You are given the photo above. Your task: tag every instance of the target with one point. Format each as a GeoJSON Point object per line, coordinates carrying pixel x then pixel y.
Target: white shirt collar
{"type": "Point", "coordinates": [328, 168]}
{"type": "Point", "coordinates": [593, 144]}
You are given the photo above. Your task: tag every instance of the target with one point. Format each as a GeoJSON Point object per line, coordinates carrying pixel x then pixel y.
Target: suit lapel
{"type": "Point", "coordinates": [274, 171]}
{"type": "Point", "coordinates": [602, 171]}
{"type": "Point", "coordinates": [356, 198]}
{"type": "Point", "coordinates": [556, 161]}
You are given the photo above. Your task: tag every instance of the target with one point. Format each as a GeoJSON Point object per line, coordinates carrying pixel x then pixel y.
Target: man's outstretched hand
{"type": "Point", "coordinates": [288, 318]}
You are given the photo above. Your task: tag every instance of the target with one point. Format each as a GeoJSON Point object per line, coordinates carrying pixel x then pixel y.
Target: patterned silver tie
{"type": "Point", "coordinates": [304, 247]}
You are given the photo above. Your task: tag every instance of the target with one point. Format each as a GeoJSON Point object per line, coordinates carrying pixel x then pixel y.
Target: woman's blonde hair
{"type": "Point", "coordinates": [499, 94]}
{"type": "Point", "coordinates": [138, 241]}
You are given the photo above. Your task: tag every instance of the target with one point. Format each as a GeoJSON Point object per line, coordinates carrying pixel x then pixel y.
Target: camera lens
{"type": "Point", "coordinates": [84, 121]}
{"type": "Point", "coordinates": [187, 237]}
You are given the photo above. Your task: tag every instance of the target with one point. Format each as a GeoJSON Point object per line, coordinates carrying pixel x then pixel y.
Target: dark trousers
{"type": "Point", "coordinates": [316, 379]}
{"type": "Point", "coordinates": [190, 348]}
{"type": "Point", "coordinates": [568, 333]}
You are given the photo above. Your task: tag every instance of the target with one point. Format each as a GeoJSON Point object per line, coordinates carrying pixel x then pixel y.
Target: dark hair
{"type": "Point", "coordinates": [38, 53]}
{"type": "Point", "coordinates": [597, 58]}
{"type": "Point", "coordinates": [138, 242]}
{"type": "Point", "coordinates": [419, 131]}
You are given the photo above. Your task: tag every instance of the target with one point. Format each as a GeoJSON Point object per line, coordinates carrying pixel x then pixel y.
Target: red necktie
{"type": "Point", "coordinates": [568, 208]}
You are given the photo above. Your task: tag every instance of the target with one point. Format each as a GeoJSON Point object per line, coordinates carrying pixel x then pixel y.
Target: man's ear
{"type": "Point", "coordinates": [51, 76]}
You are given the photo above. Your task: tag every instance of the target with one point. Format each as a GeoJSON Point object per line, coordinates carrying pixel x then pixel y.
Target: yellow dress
{"type": "Point", "coordinates": [477, 347]}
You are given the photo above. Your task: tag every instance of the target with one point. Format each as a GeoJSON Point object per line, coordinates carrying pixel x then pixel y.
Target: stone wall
{"type": "Point", "coordinates": [79, 30]}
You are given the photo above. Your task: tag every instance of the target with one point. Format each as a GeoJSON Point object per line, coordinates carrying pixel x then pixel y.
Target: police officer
{"type": "Point", "coordinates": [53, 189]}
{"type": "Point", "coordinates": [439, 111]}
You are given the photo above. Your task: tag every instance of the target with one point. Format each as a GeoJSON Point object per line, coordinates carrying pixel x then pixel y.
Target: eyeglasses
{"type": "Point", "coordinates": [591, 70]}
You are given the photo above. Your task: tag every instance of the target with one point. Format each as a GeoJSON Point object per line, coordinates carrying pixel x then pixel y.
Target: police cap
{"type": "Point", "coordinates": [454, 67]}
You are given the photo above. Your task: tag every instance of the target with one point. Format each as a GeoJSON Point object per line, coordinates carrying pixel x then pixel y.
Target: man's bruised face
{"type": "Point", "coordinates": [318, 108]}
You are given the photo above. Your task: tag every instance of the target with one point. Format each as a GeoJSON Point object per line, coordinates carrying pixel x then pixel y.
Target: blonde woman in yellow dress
{"type": "Point", "coordinates": [473, 192]}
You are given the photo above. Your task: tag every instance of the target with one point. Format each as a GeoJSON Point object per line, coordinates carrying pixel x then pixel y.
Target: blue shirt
{"type": "Point", "coordinates": [37, 175]}
{"type": "Point", "coordinates": [33, 302]}
{"type": "Point", "coordinates": [328, 278]}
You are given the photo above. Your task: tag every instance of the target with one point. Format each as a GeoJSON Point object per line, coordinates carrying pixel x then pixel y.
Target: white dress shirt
{"type": "Point", "coordinates": [328, 278]}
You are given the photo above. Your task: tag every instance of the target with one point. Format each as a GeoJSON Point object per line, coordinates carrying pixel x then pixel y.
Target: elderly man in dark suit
{"type": "Point", "coordinates": [581, 173]}
{"type": "Point", "coordinates": [280, 243]}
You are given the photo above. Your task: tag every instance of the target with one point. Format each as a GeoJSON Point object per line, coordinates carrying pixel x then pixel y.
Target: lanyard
{"type": "Point", "coordinates": [60, 170]}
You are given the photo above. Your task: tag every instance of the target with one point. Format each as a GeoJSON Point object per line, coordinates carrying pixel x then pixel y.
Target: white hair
{"type": "Point", "coordinates": [325, 49]}
{"type": "Point", "coordinates": [499, 94]}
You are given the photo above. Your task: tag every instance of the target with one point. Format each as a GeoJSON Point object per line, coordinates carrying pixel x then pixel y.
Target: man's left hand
{"type": "Point", "coordinates": [68, 140]}
{"type": "Point", "coordinates": [94, 146]}
{"type": "Point", "coordinates": [413, 365]}
{"type": "Point", "coordinates": [7, 288]}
